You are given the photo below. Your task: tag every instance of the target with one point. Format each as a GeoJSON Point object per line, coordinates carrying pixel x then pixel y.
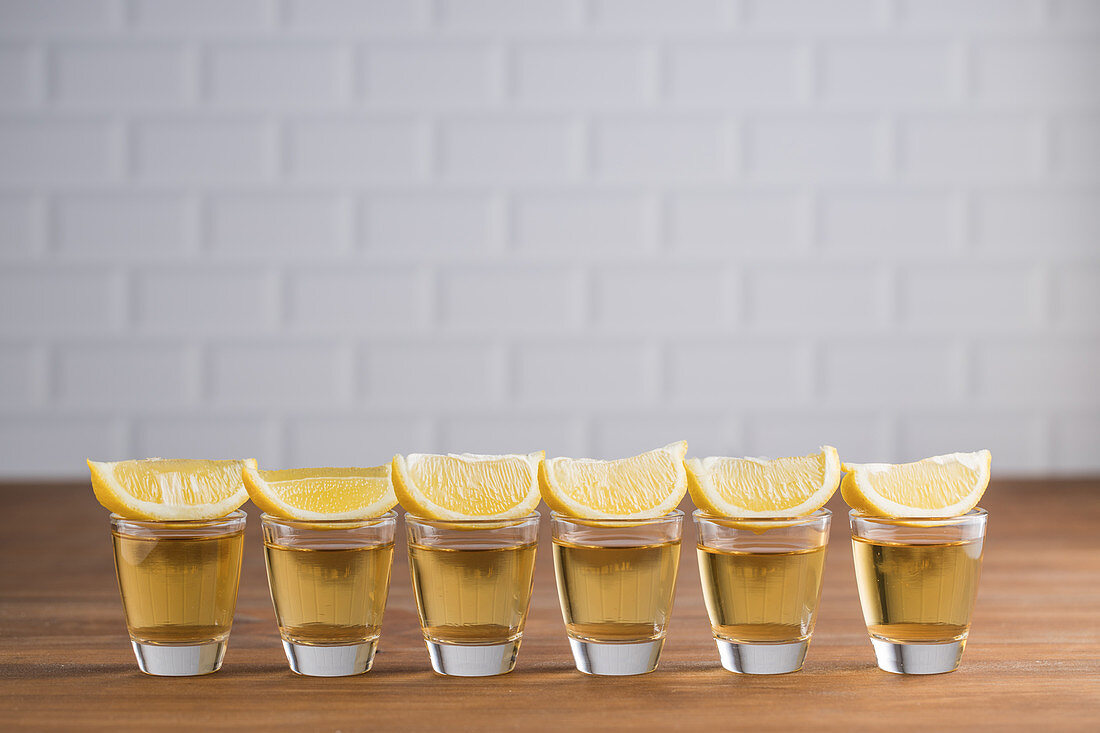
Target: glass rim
{"type": "Point", "coordinates": [971, 516]}
{"type": "Point", "coordinates": [817, 515]}
{"type": "Point", "coordinates": [233, 516]}
{"type": "Point", "coordinates": [487, 523]}
{"type": "Point", "coordinates": [390, 514]}
{"type": "Point", "coordinates": [619, 521]}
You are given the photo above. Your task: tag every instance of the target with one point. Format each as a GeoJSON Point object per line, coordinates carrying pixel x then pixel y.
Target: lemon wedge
{"type": "Point", "coordinates": [640, 487]}
{"type": "Point", "coordinates": [170, 489]}
{"type": "Point", "coordinates": [759, 487]}
{"type": "Point", "coordinates": [321, 493]}
{"type": "Point", "coordinates": [940, 486]}
{"type": "Point", "coordinates": [467, 486]}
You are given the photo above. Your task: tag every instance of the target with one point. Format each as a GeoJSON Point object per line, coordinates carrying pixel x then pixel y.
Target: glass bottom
{"type": "Point", "coordinates": [179, 660]}
{"type": "Point", "coordinates": [616, 659]}
{"type": "Point", "coordinates": [918, 658]}
{"type": "Point", "coordinates": [330, 661]}
{"type": "Point", "coordinates": [473, 660]}
{"type": "Point", "coordinates": [780, 658]}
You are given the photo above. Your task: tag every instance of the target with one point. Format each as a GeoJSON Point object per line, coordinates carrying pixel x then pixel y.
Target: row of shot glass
{"type": "Point", "coordinates": [472, 581]}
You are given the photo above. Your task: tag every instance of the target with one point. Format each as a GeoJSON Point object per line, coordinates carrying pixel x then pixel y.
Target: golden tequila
{"type": "Point", "coordinates": [330, 595]}
{"type": "Point", "coordinates": [761, 597]}
{"type": "Point", "coordinates": [472, 596]}
{"type": "Point", "coordinates": [616, 594]}
{"type": "Point", "coordinates": [178, 590]}
{"type": "Point", "coordinates": [914, 593]}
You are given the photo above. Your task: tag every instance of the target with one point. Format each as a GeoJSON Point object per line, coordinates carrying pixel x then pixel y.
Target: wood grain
{"type": "Point", "coordinates": [1033, 660]}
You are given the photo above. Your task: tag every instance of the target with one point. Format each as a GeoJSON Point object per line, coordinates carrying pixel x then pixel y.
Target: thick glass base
{"type": "Point", "coordinates": [918, 658]}
{"type": "Point", "coordinates": [179, 660]}
{"type": "Point", "coordinates": [473, 660]}
{"type": "Point", "coordinates": [616, 659]}
{"type": "Point", "coordinates": [330, 661]}
{"type": "Point", "coordinates": [762, 658]}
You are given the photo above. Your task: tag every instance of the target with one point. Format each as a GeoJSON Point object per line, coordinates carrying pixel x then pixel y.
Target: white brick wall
{"type": "Point", "coordinates": [323, 231]}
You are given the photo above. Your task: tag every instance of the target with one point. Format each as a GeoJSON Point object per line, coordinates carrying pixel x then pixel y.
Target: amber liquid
{"type": "Point", "coordinates": [472, 596]}
{"type": "Point", "coordinates": [761, 597]}
{"type": "Point", "coordinates": [616, 594]}
{"type": "Point", "coordinates": [329, 596]}
{"type": "Point", "coordinates": [917, 592]}
{"type": "Point", "coordinates": [178, 590]}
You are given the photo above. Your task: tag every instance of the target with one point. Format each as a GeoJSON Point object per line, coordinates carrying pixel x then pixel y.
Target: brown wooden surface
{"type": "Point", "coordinates": [1033, 660]}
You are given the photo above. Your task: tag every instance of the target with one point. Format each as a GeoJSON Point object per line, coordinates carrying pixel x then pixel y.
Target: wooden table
{"type": "Point", "coordinates": [1032, 663]}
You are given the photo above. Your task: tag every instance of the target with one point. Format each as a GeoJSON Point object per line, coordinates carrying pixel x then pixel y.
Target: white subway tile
{"type": "Point", "coordinates": [1039, 374]}
{"type": "Point", "coordinates": [504, 151]}
{"type": "Point", "coordinates": [1076, 15]}
{"type": "Point", "coordinates": [745, 74]}
{"type": "Point", "coordinates": [815, 297]}
{"type": "Point", "coordinates": [666, 150]}
{"type": "Point", "coordinates": [1042, 222]}
{"type": "Point", "coordinates": [218, 438]}
{"type": "Point", "coordinates": [57, 152]}
{"type": "Point", "coordinates": [891, 72]}
{"type": "Point", "coordinates": [430, 73]}
{"type": "Point", "coordinates": [123, 376]}
{"type": "Point", "coordinates": [57, 446]}
{"type": "Point", "coordinates": [860, 437]}
{"type": "Point", "coordinates": [580, 223]}
{"type": "Point", "coordinates": [963, 300]}
{"type": "Point", "coordinates": [1075, 440]}
{"type": "Point", "coordinates": [366, 440]}
{"type": "Point", "coordinates": [841, 15]}
{"type": "Point", "coordinates": [345, 151]}
{"type": "Point", "coordinates": [1077, 148]}
{"type": "Point", "coordinates": [51, 300]}
{"type": "Point", "coordinates": [358, 16]}
{"type": "Point", "coordinates": [204, 151]}
{"type": "Point", "coordinates": [430, 222]}
{"type": "Point", "coordinates": [875, 374]}
{"type": "Point", "coordinates": [126, 225]}
{"type": "Point", "coordinates": [345, 299]}
{"type": "Point", "coordinates": [203, 16]}
{"type": "Point", "coordinates": [308, 375]}
{"type": "Point", "coordinates": [974, 15]}
{"type": "Point", "coordinates": [431, 376]}
{"type": "Point", "coordinates": [558, 436]}
{"type": "Point", "coordinates": [202, 300]}
{"type": "Point", "coordinates": [303, 224]}
{"type": "Point", "coordinates": [661, 16]}
{"type": "Point", "coordinates": [584, 73]}
{"type": "Point", "coordinates": [745, 222]}
{"type": "Point", "coordinates": [816, 150]}
{"type": "Point", "coordinates": [523, 298]}
{"type": "Point", "coordinates": [640, 298]}
{"type": "Point", "coordinates": [21, 225]}
{"type": "Point", "coordinates": [59, 16]}
{"type": "Point", "coordinates": [113, 74]}
{"type": "Point", "coordinates": [730, 373]}
{"type": "Point", "coordinates": [620, 436]}
{"type": "Point", "coordinates": [21, 75]}
{"type": "Point", "coordinates": [1016, 440]}
{"type": "Point", "coordinates": [1042, 73]}
{"type": "Point", "coordinates": [1077, 298]}
{"type": "Point", "coordinates": [20, 377]}
{"type": "Point", "coordinates": [1001, 148]}
{"type": "Point", "coordinates": [510, 15]}
{"type": "Point", "coordinates": [296, 75]}
{"type": "Point", "coordinates": [583, 375]}
{"type": "Point", "coordinates": [890, 224]}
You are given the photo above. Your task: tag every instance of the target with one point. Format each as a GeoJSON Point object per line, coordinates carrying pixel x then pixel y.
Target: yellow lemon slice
{"type": "Point", "coordinates": [321, 493]}
{"type": "Point", "coordinates": [640, 487]}
{"type": "Point", "coordinates": [170, 489]}
{"type": "Point", "coordinates": [467, 486]}
{"type": "Point", "coordinates": [940, 486]}
{"type": "Point", "coordinates": [759, 487]}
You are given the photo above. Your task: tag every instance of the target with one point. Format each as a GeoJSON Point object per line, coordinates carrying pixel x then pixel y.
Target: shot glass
{"type": "Point", "coordinates": [472, 581]}
{"type": "Point", "coordinates": [918, 579]}
{"type": "Point", "coordinates": [616, 580]}
{"type": "Point", "coordinates": [178, 581]}
{"type": "Point", "coordinates": [329, 581]}
{"type": "Point", "coordinates": [762, 585]}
